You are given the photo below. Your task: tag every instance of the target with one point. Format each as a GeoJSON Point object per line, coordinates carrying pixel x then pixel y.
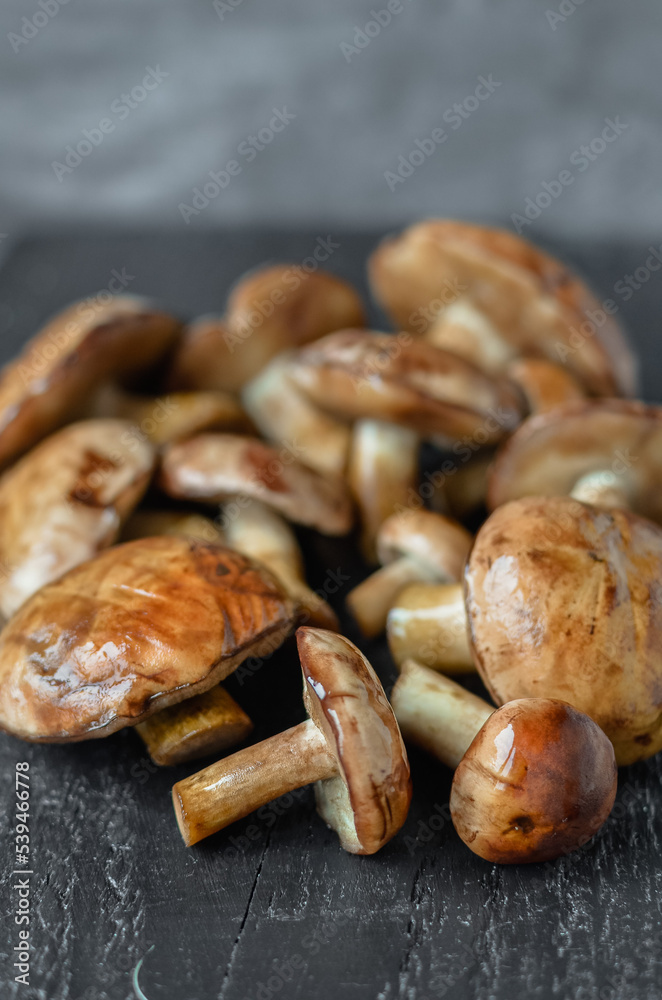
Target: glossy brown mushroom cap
{"type": "Point", "coordinates": [437, 542]}
{"type": "Point", "coordinates": [367, 803]}
{"type": "Point", "coordinates": [564, 601]}
{"type": "Point", "coordinates": [549, 453]}
{"type": "Point", "coordinates": [215, 467]}
{"type": "Point", "coordinates": [538, 781]}
{"type": "Point", "coordinates": [65, 501]}
{"type": "Point", "coordinates": [533, 303]}
{"type": "Point", "coordinates": [361, 374]}
{"type": "Point", "coordinates": [81, 347]}
{"type": "Point", "coordinates": [143, 626]}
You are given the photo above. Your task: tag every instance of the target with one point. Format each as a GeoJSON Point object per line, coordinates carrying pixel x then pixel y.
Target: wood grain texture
{"type": "Point", "coordinates": [274, 907]}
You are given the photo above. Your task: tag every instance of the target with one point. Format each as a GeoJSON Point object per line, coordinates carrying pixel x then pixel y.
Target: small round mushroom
{"type": "Point", "coordinates": [260, 533]}
{"type": "Point", "coordinates": [490, 296]}
{"type": "Point", "coordinates": [282, 414]}
{"type": "Point", "coordinates": [350, 746]}
{"type": "Point", "coordinates": [356, 374]}
{"type": "Point", "coordinates": [212, 468]}
{"type": "Point", "coordinates": [382, 474]}
{"type": "Point", "coordinates": [533, 780]}
{"type": "Point", "coordinates": [412, 545]}
{"type": "Point", "coordinates": [79, 349]}
{"type": "Point", "coordinates": [270, 310]}
{"type": "Point", "coordinates": [141, 627]}
{"type": "Point", "coordinates": [65, 501]}
{"type": "Point", "coordinates": [606, 452]}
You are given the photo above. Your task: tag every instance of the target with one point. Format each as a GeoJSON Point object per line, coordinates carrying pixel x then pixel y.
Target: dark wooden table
{"type": "Point", "coordinates": [273, 907]}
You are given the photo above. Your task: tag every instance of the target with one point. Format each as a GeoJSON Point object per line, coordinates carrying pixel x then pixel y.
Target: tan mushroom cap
{"type": "Point", "coordinates": [65, 501]}
{"type": "Point", "coordinates": [362, 374]}
{"type": "Point", "coordinates": [545, 385]}
{"type": "Point", "coordinates": [269, 310]}
{"type": "Point", "coordinates": [143, 626]}
{"type": "Point", "coordinates": [367, 802]}
{"type": "Point", "coordinates": [564, 601]}
{"type": "Point", "coordinates": [537, 782]}
{"type": "Point", "coordinates": [437, 542]}
{"type": "Point", "coordinates": [549, 453]}
{"type": "Point", "coordinates": [531, 303]}
{"type": "Point", "coordinates": [215, 467]}
{"type": "Point", "coordinates": [79, 349]}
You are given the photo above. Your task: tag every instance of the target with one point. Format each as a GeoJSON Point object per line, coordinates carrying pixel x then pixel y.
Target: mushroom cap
{"type": "Point", "coordinates": [437, 542]}
{"type": "Point", "coordinates": [65, 501]}
{"type": "Point", "coordinates": [534, 303]}
{"type": "Point", "coordinates": [545, 384]}
{"type": "Point", "coordinates": [80, 348]}
{"type": "Point", "coordinates": [549, 453]}
{"type": "Point", "coordinates": [537, 782]}
{"type": "Point", "coordinates": [215, 467]}
{"type": "Point", "coordinates": [367, 803]}
{"type": "Point", "coordinates": [362, 374]}
{"type": "Point", "coordinates": [564, 601]}
{"type": "Point", "coordinates": [143, 626]}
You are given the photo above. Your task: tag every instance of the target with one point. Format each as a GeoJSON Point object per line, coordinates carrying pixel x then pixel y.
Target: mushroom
{"type": "Point", "coordinates": [606, 452]}
{"type": "Point", "coordinates": [412, 545]}
{"type": "Point", "coordinates": [350, 746]}
{"type": "Point", "coordinates": [147, 523]}
{"type": "Point", "coordinates": [545, 385]}
{"type": "Point", "coordinates": [283, 415]}
{"type": "Point", "coordinates": [65, 501]}
{"type": "Point", "coordinates": [490, 296]}
{"type": "Point", "coordinates": [358, 374]}
{"type": "Point", "coordinates": [428, 622]}
{"type": "Point", "coordinates": [382, 475]}
{"type": "Point", "coordinates": [260, 533]}
{"type": "Point", "coordinates": [211, 468]}
{"type": "Point", "coordinates": [141, 627]}
{"type": "Point", "coordinates": [270, 310]}
{"type": "Point", "coordinates": [563, 600]}
{"type": "Point", "coordinates": [533, 780]}
{"type": "Point", "coordinates": [78, 350]}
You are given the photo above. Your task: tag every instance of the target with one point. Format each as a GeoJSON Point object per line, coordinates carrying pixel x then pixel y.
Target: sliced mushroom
{"type": "Point", "coordinates": [412, 545]}
{"type": "Point", "coordinates": [270, 310]}
{"type": "Point", "coordinates": [284, 416]}
{"type": "Point", "coordinates": [65, 501]}
{"type": "Point", "coordinates": [212, 468]}
{"type": "Point", "coordinates": [139, 628]}
{"type": "Point", "coordinates": [79, 349]}
{"type": "Point", "coordinates": [606, 452]}
{"type": "Point", "coordinates": [357, 374]}
{"type": "Point", "coordinates": [490, 296]}
{"type": "Point", "coordinates": [382, 475]}
{"type": "Point", "coordinates": [261, 533]}
{"type": "Point", "coordinates": [350, 746]}
{"type": "Point", "coordinates": [534, 779]}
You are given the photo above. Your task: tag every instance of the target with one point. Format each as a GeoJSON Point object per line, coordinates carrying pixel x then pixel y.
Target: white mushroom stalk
{"type": "Point", "coordinates": [428, 622]}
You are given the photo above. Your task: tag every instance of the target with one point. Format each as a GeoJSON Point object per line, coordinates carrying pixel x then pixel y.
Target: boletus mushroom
{"type": "Point", "coordinates": [533, 780]}
{"type": "Point", "coordinates": [562, 600]}
{"type": "Point", "coordinates": [357, 374]}
{"type": "Point", "coordinates": [412, 546]}
{"type": "Point", "coordinates": [606, 452]}
{"type": "Point", "coordinates": [141, 627]}
{"type": "Point", "coordinates": [80, 349]}
{"type": "Point", "coordinates": [350, 747]}
{"type": "Point", "coordinates": [212, 468]}
{"type": "Point", "coordinates": [490, 296]}
{"type": "Point", "coordinates": [65, 501]}
{"type": "Point", "coordinates": [270, 310]}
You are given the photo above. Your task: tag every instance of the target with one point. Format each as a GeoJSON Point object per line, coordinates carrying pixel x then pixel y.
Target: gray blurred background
{"type": "Point", "coordinates": [358, 96]}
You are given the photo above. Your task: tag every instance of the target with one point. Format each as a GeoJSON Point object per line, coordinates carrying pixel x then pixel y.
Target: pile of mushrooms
{"type": "Point", "coordinates": [157, 481]}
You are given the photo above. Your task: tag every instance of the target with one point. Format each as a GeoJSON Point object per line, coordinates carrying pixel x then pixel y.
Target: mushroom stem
{"type": "Point", "coordinates": [428, 623]}
{"type": "Point", "coordinates": [603, 488]}
{"type": "Point", "coordinates": [436, 713]}
{"type": "Point", "coordinates": [234, 787]}
{"type": "Point", "coordinates": [202, 725]}
{"type": "Point", "coordinates": [369, 603]}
